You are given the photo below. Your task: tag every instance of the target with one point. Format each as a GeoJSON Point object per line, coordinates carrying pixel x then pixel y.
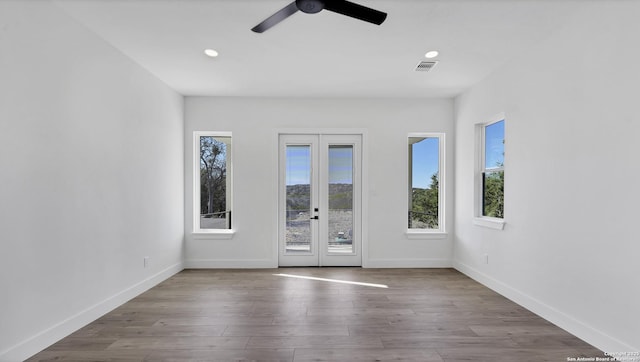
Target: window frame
{"type": "Point", "coordinates": [198, 232]}
{"type": "Point", "coordinates": [481, 168]}
{"type": "Point", "coordinates": [440, 232]}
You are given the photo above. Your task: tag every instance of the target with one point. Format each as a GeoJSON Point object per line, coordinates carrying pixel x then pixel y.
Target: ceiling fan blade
{"type": "Point", "coordinates": [356, 11]}
{"type": "Point", "coordinates": [276, 18]}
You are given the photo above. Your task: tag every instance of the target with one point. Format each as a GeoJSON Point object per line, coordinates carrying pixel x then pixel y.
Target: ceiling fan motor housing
{"type": "Point", "coordinates": [310, 6]}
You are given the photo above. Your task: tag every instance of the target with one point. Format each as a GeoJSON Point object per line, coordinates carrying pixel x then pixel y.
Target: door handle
{"type": "Point", "coordinates": [314, 218]}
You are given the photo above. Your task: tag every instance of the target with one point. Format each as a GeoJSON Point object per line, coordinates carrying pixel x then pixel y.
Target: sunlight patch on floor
{"type": "Point", "coordinates": [332, 280]}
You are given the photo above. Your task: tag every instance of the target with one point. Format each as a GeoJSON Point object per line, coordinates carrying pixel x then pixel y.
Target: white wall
{"type": "Point", "coordinates": [570, 247]}
{"type": "Point", "coordinates": [91, 177]}
{"type": "Point", "coordinates": [254, 123]}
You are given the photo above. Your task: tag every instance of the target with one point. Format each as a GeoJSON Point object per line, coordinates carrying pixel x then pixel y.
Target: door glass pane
{"type": "Point", "coordinates": [340, 199]}
{"type": "Point", "coordinates": [298, 201]}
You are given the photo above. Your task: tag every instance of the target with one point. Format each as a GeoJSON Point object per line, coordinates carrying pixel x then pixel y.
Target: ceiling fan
{"type": "Point", "coordinates": [314, 6]}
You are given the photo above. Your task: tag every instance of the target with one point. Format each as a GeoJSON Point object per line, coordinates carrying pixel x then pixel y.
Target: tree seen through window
{"type": "Point", "coordinates": [214, 209]}
{"type": "Point", "coordinates": [424, 183]}
{"type": "Point", "coordinates": [493, 173]}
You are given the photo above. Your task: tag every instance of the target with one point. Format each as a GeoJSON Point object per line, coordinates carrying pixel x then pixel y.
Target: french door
{"type": "Point", "coordinates": [319, 197]}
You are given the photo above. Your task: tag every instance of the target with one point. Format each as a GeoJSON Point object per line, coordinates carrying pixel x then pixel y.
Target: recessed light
{"type": "Point", "coordinates": [431, 54]}
{"type": "Point", "coordinates": [211, 53]}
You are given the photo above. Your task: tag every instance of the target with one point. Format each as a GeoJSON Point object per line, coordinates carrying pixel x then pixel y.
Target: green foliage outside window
{"type": "Point", "coordinates": [493, 173]}
{"type": "Point", "coordinates": [493, 194]}
{"type": "Point", "coordinates": [424, 206]}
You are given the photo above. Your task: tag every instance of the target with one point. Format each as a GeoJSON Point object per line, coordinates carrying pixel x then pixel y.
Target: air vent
{"type": "Point", "coordinates": [426, 66]}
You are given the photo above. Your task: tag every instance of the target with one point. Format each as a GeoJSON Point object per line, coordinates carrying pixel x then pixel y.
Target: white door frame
{"type": "Point", "coordinates": [363, 193]}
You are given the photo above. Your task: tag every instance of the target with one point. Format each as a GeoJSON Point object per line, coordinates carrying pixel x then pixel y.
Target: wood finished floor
{"type": "Point", "coordinates": [256, 315]}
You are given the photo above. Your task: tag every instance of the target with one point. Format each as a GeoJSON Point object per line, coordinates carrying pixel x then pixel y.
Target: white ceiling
{"type": "Point", "coordinates": [325, 54]}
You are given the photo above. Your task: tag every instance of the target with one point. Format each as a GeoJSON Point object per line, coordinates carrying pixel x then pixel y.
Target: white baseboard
{"type": "Point", "coordinates": [272, 264]}
{"type": "Point", "coordinates": [585, 332]}
{"type": "Point", "coordinates": [44, 339]}
{"type": "Point", "coordinates": [230, 264]}
{"type": "Point", "coordinates": [407, 263]}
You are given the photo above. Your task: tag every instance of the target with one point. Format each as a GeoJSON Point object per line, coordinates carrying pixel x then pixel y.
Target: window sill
{"type": "Point", "coordinates": [489, 222]}
{"type": "Point", "coordinates": [214, 235]}
{"type": "Point", "coordinates": [425, 235]}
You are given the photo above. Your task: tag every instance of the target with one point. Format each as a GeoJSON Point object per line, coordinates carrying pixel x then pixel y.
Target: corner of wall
{"type": "Point", "coordinates": [562, 320]}
{"type": "Point", "coordinates": [53, 334]}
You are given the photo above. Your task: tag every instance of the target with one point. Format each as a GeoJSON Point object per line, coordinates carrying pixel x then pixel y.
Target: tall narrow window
{"type": "Point", "coordinates": [425, 181]}
{"type": "Point", "coordinates": [212, 176]}
{"type": "Point", "coordinates": [492, 202]}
